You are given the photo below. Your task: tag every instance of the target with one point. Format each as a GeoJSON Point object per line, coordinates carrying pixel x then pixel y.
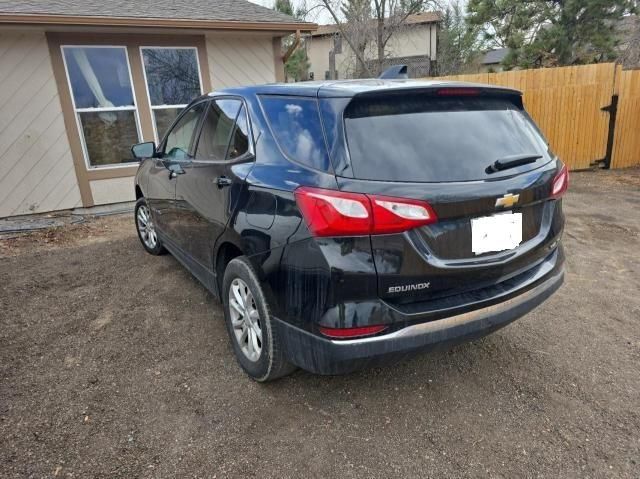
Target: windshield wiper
{"type": "Point", "coordinates": [512, 161]}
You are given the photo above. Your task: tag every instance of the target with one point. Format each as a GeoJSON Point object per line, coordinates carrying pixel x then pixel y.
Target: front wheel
{"type": "Point", "coordinates": [146, 229]}
{"type": "Point", "coordinates": [254, 338]}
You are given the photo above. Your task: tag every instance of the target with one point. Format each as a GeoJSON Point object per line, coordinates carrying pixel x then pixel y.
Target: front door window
{"type": "Point", "coordinates": [178, 146]}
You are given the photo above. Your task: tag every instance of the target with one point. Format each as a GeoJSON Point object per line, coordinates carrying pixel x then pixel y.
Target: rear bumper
{"type": "Point", "coordinates": [324, 356]}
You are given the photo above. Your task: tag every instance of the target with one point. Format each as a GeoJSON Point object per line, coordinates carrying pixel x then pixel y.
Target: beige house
{"type": "Point", "coordinates": [415, 44]}
{"type": "Point", "coordinates": [82, 80]}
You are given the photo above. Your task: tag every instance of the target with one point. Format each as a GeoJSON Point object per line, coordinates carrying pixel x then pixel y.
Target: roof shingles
{"type": "Point", "coordinates": [207, 10]}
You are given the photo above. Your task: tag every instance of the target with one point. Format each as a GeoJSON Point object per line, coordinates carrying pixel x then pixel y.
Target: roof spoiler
{"type": "Point", "coordinates": [395, 72]}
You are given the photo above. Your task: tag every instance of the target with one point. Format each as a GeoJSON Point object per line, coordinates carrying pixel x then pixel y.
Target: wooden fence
{"type": "Point", "coordinates": [626, 144]}
{"type": "Point", "coordinates": [572, 107]}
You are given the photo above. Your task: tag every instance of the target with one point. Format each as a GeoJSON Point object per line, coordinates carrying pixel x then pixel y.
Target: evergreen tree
{"type": "Point", "coordinates": [458, 42]}
{"type": "Point", "coordinates": [284, 6]}
{"type": "Point", "coordinates": [550, 32]}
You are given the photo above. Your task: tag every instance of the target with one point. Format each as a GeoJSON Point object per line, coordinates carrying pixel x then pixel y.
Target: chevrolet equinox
{"type": "Point", "coordinates": [343, 224]}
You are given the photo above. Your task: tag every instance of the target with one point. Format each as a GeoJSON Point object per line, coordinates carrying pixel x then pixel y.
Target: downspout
{"type": "Point", "coordinates": [294, 46]}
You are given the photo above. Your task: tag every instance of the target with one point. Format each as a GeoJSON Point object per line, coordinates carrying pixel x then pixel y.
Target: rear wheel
{"type": "Point", "coordinates": [254, 338]}
{"type": "Point", "coordinates": [146, 229]}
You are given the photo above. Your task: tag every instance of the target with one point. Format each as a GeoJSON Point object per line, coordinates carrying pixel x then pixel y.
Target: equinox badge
{"type": "Point", "coordinates": [408, 287]}
{"type": "Point", "coordinates": [507, 200]}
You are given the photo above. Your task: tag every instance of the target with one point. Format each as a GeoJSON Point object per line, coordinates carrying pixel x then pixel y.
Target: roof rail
{"type": "Point", "coordinates": [395, 72]}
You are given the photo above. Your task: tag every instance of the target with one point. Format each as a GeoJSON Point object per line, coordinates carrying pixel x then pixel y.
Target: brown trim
{"type": "Point", "coordinates": [109, 173]}
{"type": "Point", "coordinates": [70, 123]}
{"type": "Point", "coordinates": [204, 64]}
{"type": "Point", "coordinates": [128, 39]}
{"type": "Point", "coordinates": [277, 59]}
{"type": "Point", "coordinates": [132, 42]}
{"type": "Point", "coordinates": [40, 19]}
{"type": "Point", "coordinates": [140, 90]}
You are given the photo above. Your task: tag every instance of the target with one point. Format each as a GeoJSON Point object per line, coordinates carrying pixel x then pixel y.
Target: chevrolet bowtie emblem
{"type": "Point", "coordinates": [507, 200]}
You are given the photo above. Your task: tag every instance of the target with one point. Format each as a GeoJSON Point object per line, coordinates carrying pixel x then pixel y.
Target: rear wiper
{"type": "Point", "coordinates": [512, 161]}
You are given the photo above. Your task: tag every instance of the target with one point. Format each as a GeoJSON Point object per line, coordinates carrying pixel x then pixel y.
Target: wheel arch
{"type": "Point", "coordinates": [226, 251]}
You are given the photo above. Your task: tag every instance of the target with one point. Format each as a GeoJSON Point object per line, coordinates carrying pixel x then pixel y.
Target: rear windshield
{"type": "Point", "coordinates": [431, 139]}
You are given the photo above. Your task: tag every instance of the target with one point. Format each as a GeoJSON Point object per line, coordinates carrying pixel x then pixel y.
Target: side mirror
{"type": "Point", "coordinates": [144, 150]}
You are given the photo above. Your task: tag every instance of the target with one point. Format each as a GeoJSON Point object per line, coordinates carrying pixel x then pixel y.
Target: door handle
{"type": "Point", "coordinates": [223, 181]}
{"type": "Point", "coordinates": [174, 171]}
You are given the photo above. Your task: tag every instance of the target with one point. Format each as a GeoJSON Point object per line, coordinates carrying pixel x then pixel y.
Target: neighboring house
{"type": "Point", "coordinates": [414, 44]}
{"type": "Point", "coordinates": [83, 80]}
{"type": "Point", "coordinates": [492, 60]}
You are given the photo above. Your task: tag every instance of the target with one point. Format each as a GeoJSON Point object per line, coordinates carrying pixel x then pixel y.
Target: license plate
{"type": "Point", "coordinates": [496, 233]}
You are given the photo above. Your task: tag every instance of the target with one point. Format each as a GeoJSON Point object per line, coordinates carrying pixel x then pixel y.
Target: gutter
{"type": "Point", "coordinates": [72, 20]}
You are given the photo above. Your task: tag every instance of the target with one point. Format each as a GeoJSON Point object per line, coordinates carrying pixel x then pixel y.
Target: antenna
{"type": "Point", "coordinates": [395, 72]}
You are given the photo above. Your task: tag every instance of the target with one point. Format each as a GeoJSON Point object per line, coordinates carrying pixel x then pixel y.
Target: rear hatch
{"type": "Point", "coordinates": [481, 163]}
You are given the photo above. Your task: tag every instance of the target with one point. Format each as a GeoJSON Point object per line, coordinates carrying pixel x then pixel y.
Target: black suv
{"type": "Point", "coordinates": [346, 223]}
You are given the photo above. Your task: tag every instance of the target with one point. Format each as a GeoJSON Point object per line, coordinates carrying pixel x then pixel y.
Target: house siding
{"type": "Point", "coordinates": [38, 131]}
{"type": "Point", "coordinates": [38, 170]}
{"type": "Point", "coordinates": [241, 60]}
{"type": "Point", "coordinates": [113, 190]}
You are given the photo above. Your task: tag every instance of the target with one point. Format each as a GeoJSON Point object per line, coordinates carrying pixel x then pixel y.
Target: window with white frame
{"type": "Point", "coordinates": [173, 79]}
{"type": "Point", "coordinates": [104, 102]}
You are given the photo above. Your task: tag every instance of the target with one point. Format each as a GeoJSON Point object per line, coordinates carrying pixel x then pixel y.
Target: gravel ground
{"type": "Point", "coordinates": [114, 363]}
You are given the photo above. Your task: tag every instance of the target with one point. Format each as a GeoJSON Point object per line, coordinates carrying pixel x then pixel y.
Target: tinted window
{"type": "Point", "coordinates": [178, 145]}
{"type": "Point", "coordinates": [216, 130]}
{"type": "Point", "coordinates": [295, 123]}
{"type": "Point", "coordinates": [426, 138]}
{"type": "Point", "coordinates": [240, 140]}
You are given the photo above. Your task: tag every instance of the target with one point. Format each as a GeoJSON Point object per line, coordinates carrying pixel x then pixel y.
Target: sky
{"type": "Point", "coordinates": [318, 15]}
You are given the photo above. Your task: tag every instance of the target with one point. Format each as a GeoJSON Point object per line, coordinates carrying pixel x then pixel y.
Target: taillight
{"type": "Point", "coordinates": [333, 213]}
{"type": "Point", "coordinates": [349, 333]}
{"type": "Point", "coordinates": [393, 215]}
{"type": "Point", "coordinates": [337, 213]}
{"type": "Point", "coordinates": [560, 183]}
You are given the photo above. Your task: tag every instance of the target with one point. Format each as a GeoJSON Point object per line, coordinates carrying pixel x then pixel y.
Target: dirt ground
{"type": "Point", "coordinates": [114, 363]}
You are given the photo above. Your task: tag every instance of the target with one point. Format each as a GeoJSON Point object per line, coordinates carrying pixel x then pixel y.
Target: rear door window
{"type": "Point", "coordinates": [424, 138]}
{"type": "Point", "coordinates": [295, 123]}
{"type": "Point", "coordinates": [216, 129]}
{"type": "Point", "coordinates": [240, 138]}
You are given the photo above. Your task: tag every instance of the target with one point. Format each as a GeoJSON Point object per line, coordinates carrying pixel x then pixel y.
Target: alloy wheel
{"type": "Point", "coordinates": [146, 228]}
{"type": "Point", "coordinates": [245, 320]}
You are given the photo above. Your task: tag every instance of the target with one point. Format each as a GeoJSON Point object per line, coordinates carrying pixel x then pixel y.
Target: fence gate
{"type": "Point", "coordinates": [626, 145]}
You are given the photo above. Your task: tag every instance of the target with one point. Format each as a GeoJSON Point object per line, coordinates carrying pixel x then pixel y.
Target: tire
{"type": "Point", "coordinates": [147, 233]}
{"type": "Point", "coordinates": [267, 361]}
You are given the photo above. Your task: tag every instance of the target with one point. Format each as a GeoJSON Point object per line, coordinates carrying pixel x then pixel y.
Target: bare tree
{"type": "Point", "coordinates": [370, 24]}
